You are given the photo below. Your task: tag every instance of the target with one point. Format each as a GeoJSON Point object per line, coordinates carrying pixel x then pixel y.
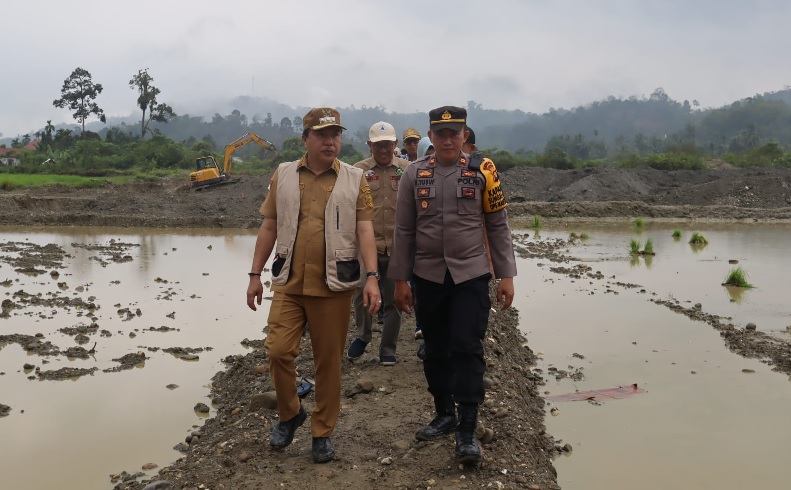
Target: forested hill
{"type": "Point", "coordinates": [642, 124]}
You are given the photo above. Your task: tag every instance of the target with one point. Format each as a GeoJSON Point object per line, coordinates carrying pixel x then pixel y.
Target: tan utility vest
{"type": "Point", "coordinates": [342, 267]}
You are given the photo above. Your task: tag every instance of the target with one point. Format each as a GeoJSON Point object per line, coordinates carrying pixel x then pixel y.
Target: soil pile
{"type": "Point", "coordinates": [724, 194]}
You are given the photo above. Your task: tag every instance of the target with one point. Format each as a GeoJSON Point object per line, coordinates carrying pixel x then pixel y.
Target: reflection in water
{"type": "Point", "coordinates": [736, 294]}
{"type": "Point", "coordinates": [636, 260]}
{"type": "Point", "coordinates": [697, 247]}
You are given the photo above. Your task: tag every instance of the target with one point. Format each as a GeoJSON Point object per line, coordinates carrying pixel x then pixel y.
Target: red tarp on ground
{"type": "Point", "coordinates": [605, 394]}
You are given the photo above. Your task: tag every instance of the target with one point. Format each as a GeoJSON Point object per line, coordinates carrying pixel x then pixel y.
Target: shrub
{"type": "Point", "coordinates": [698, 239]}
{"type": "Point", "coordinates": [737, 277]}
{"type": "Point", "coordinates": [677, 233]}
{"type": "Point", "coordinates": [634, 247]}
{"type": "Point", "coordinates": [649, 247]}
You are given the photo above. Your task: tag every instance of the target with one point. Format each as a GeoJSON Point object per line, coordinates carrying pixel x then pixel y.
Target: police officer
{"type": "Point", "coordinates": [318, 219]}
{"type": "Point", "coordinates": [383, 172]}
{"type": "Point", "coordinates": [444, 203]}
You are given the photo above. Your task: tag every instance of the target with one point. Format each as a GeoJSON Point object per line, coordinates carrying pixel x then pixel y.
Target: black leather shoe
{"type": "Point", "coordinates": [283, 432]}
{"type": "Point", "coordinates": [323, 451]}
{"type": "Point", "coordinates": [440, 426]}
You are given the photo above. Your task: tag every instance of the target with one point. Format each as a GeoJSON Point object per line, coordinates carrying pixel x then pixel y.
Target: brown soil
{"type": "Point", "coordinates": [384, 406]}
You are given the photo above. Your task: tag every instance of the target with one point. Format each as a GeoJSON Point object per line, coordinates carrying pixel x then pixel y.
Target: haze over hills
{"type": "Point", "coordinates": [635, 122]}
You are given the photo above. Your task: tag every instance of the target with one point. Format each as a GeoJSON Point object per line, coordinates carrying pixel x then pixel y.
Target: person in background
{"type": "Point", "coordinates": [442, 202]}
{"type": "Point", "coordinates": [318, 218]}
{"type": "Point", "coordinates": [470, 148]}
{"type": "Point", "coordinates": [469, 145]}
{"type": "Point", "coordinates": [410, 140]}
{"type": "Point", "coordinates": [424, 147]}
{"type": "Point", "coordinates": [383, 172]}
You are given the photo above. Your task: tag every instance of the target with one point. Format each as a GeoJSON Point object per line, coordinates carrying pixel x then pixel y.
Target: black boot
{"type": "Point", "coordinates": [443, 423]}
{"type": "Point", "coordinates": [467, 449]}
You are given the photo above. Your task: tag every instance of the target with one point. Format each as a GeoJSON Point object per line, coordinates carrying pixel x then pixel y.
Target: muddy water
{"type": "Point", "coordinates": [716, 428]}
{"type": "Point", "coordinates": [78, 432]}
{"type": "Point", "coordinates": [709, 418]}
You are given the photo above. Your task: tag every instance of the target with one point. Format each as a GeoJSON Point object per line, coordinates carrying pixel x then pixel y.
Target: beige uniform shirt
{"type": "Point", "coordinates": [440, 219]}
{"type": "Point", "coordinates": [308, 261]}
{"type": "Point", "coordinates": [383, 182]}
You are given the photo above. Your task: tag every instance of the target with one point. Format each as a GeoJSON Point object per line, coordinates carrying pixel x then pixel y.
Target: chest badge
{"type": "Point", "coordinates": [424, 205]}
{"type": "Point", "coordinates": [425, 173]}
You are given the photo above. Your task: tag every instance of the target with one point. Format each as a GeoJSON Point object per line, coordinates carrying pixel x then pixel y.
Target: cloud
{"type": "Point", "coordinates": [411, 56]}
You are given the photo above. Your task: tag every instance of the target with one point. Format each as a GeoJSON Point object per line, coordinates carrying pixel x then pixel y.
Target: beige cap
{"type": "Point", "coordinates": [382, 131]}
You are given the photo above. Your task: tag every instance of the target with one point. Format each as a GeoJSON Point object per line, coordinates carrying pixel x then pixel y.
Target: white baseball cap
{"type": "Point", "coordinates": [382, 131]}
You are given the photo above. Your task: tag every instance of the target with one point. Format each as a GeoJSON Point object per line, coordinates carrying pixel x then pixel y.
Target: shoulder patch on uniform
{"type": "Point", "coordinates": [369, 199]}
{"type": "Point", "coordinates": [493, 197]}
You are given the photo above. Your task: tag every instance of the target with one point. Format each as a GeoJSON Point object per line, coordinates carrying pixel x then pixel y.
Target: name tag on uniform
{"type": "Point", "coordinates": [395, 177]}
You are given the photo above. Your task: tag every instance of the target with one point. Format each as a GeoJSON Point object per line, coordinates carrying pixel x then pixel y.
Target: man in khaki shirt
{"type": "Point", "coordinates": [318, 213]}
{"type": "Point", "coordinates": [383, 172]}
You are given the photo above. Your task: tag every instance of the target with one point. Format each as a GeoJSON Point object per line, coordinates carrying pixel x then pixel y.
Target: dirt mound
{"type": "Point", "coordinates": [169, 202]}
{"type": "Point", "coordinates": [374, 440]}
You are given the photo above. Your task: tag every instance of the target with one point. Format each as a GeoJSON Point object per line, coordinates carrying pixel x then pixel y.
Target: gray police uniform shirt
{"type": "Point", "coordinates": [440, 218]}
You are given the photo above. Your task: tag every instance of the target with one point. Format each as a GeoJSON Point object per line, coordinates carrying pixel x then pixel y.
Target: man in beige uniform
{"type": "Point", "coordinates": [383, 172]}
{"type": "Point", "coordinates": [319, 213]}
{"type": "Point", "coordinates": [444, 203]}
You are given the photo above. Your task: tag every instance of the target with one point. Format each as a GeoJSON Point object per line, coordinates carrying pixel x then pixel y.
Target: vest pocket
{"type": "Point", "coordinates": [280, 259]}
{"type": "Point", "coordinates": [347, 265]}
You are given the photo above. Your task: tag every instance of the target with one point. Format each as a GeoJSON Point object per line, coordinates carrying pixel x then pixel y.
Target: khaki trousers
{"type": "Point", "coordinates": [328, 318]}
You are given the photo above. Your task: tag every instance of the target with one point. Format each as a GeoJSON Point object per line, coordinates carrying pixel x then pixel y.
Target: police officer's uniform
{"type": "Point", "coordinates": [439, 239]}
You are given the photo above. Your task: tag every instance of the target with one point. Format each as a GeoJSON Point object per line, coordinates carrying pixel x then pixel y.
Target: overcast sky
{"type": "Point", "coordinates": [406, 55]}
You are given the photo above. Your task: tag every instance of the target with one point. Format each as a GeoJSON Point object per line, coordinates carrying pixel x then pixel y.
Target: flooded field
{"type": "Point", "coordinates": [708, 419]}
{"type": "Point", "coordinates": [189, 288]}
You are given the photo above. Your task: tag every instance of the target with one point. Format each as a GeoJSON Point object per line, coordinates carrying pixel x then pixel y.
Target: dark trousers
{"type": "Point", "coordinates": [454, 318]}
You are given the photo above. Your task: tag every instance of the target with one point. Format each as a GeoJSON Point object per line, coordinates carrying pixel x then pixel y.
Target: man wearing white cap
{"type": "Point", "coordinates": [383, 172]}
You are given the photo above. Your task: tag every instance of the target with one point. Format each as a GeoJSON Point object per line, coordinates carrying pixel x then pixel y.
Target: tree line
{"type": "Point", "coordinates": [654, 130]}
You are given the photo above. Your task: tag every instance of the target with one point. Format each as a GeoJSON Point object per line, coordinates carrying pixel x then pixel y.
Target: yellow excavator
{"type": "Point", "coordinates": [208, 173]}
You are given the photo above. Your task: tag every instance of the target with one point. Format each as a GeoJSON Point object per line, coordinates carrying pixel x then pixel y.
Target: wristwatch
{"type": "Point", "coordinates": [375, 274]}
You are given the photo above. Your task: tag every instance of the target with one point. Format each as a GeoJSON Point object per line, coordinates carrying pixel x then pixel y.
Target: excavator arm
{"type": "Point", "coordinates": [234, 145]}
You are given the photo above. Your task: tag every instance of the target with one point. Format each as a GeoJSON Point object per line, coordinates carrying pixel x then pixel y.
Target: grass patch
{"type": "Point", "coordinates": [677, 233]}
{"type": "Point", "coordinates": [18, 181]}
{"type": "Point", "coordinates": [649, 248]}
{"type": "Point", "coordinates": [638, 222]}
{"type": "Point", "coordinates": [536, 222]}
{"type": "Point", "coordinates": [738, 278]}
{"type": "Point", "coordinates": [698, 239]}
{"type": "Point", "coordinates": [584, 236]}
{"type": "Point", "coordinates": [634, 247]}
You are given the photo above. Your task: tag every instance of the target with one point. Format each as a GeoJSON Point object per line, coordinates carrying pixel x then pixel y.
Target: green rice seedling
{"type": "Point", "coordinates": [638, 222]}
{"type": "Point", "coordinates": [584, 236]}
{"type": "Point", "coordinates": [536, 222]}
{"type": "Point", "coordinates": [677, 233]}
{"type": "Point", "coordinates": [649, 248]}
{"type": "Point", "coordinates": [634, 247]}
{"type": "Point", "coordinates": [737, 277]}
{"type": "Point", "coordinates": [573, 236]}
{"type": "Point", "coordinates": [698, 239]}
